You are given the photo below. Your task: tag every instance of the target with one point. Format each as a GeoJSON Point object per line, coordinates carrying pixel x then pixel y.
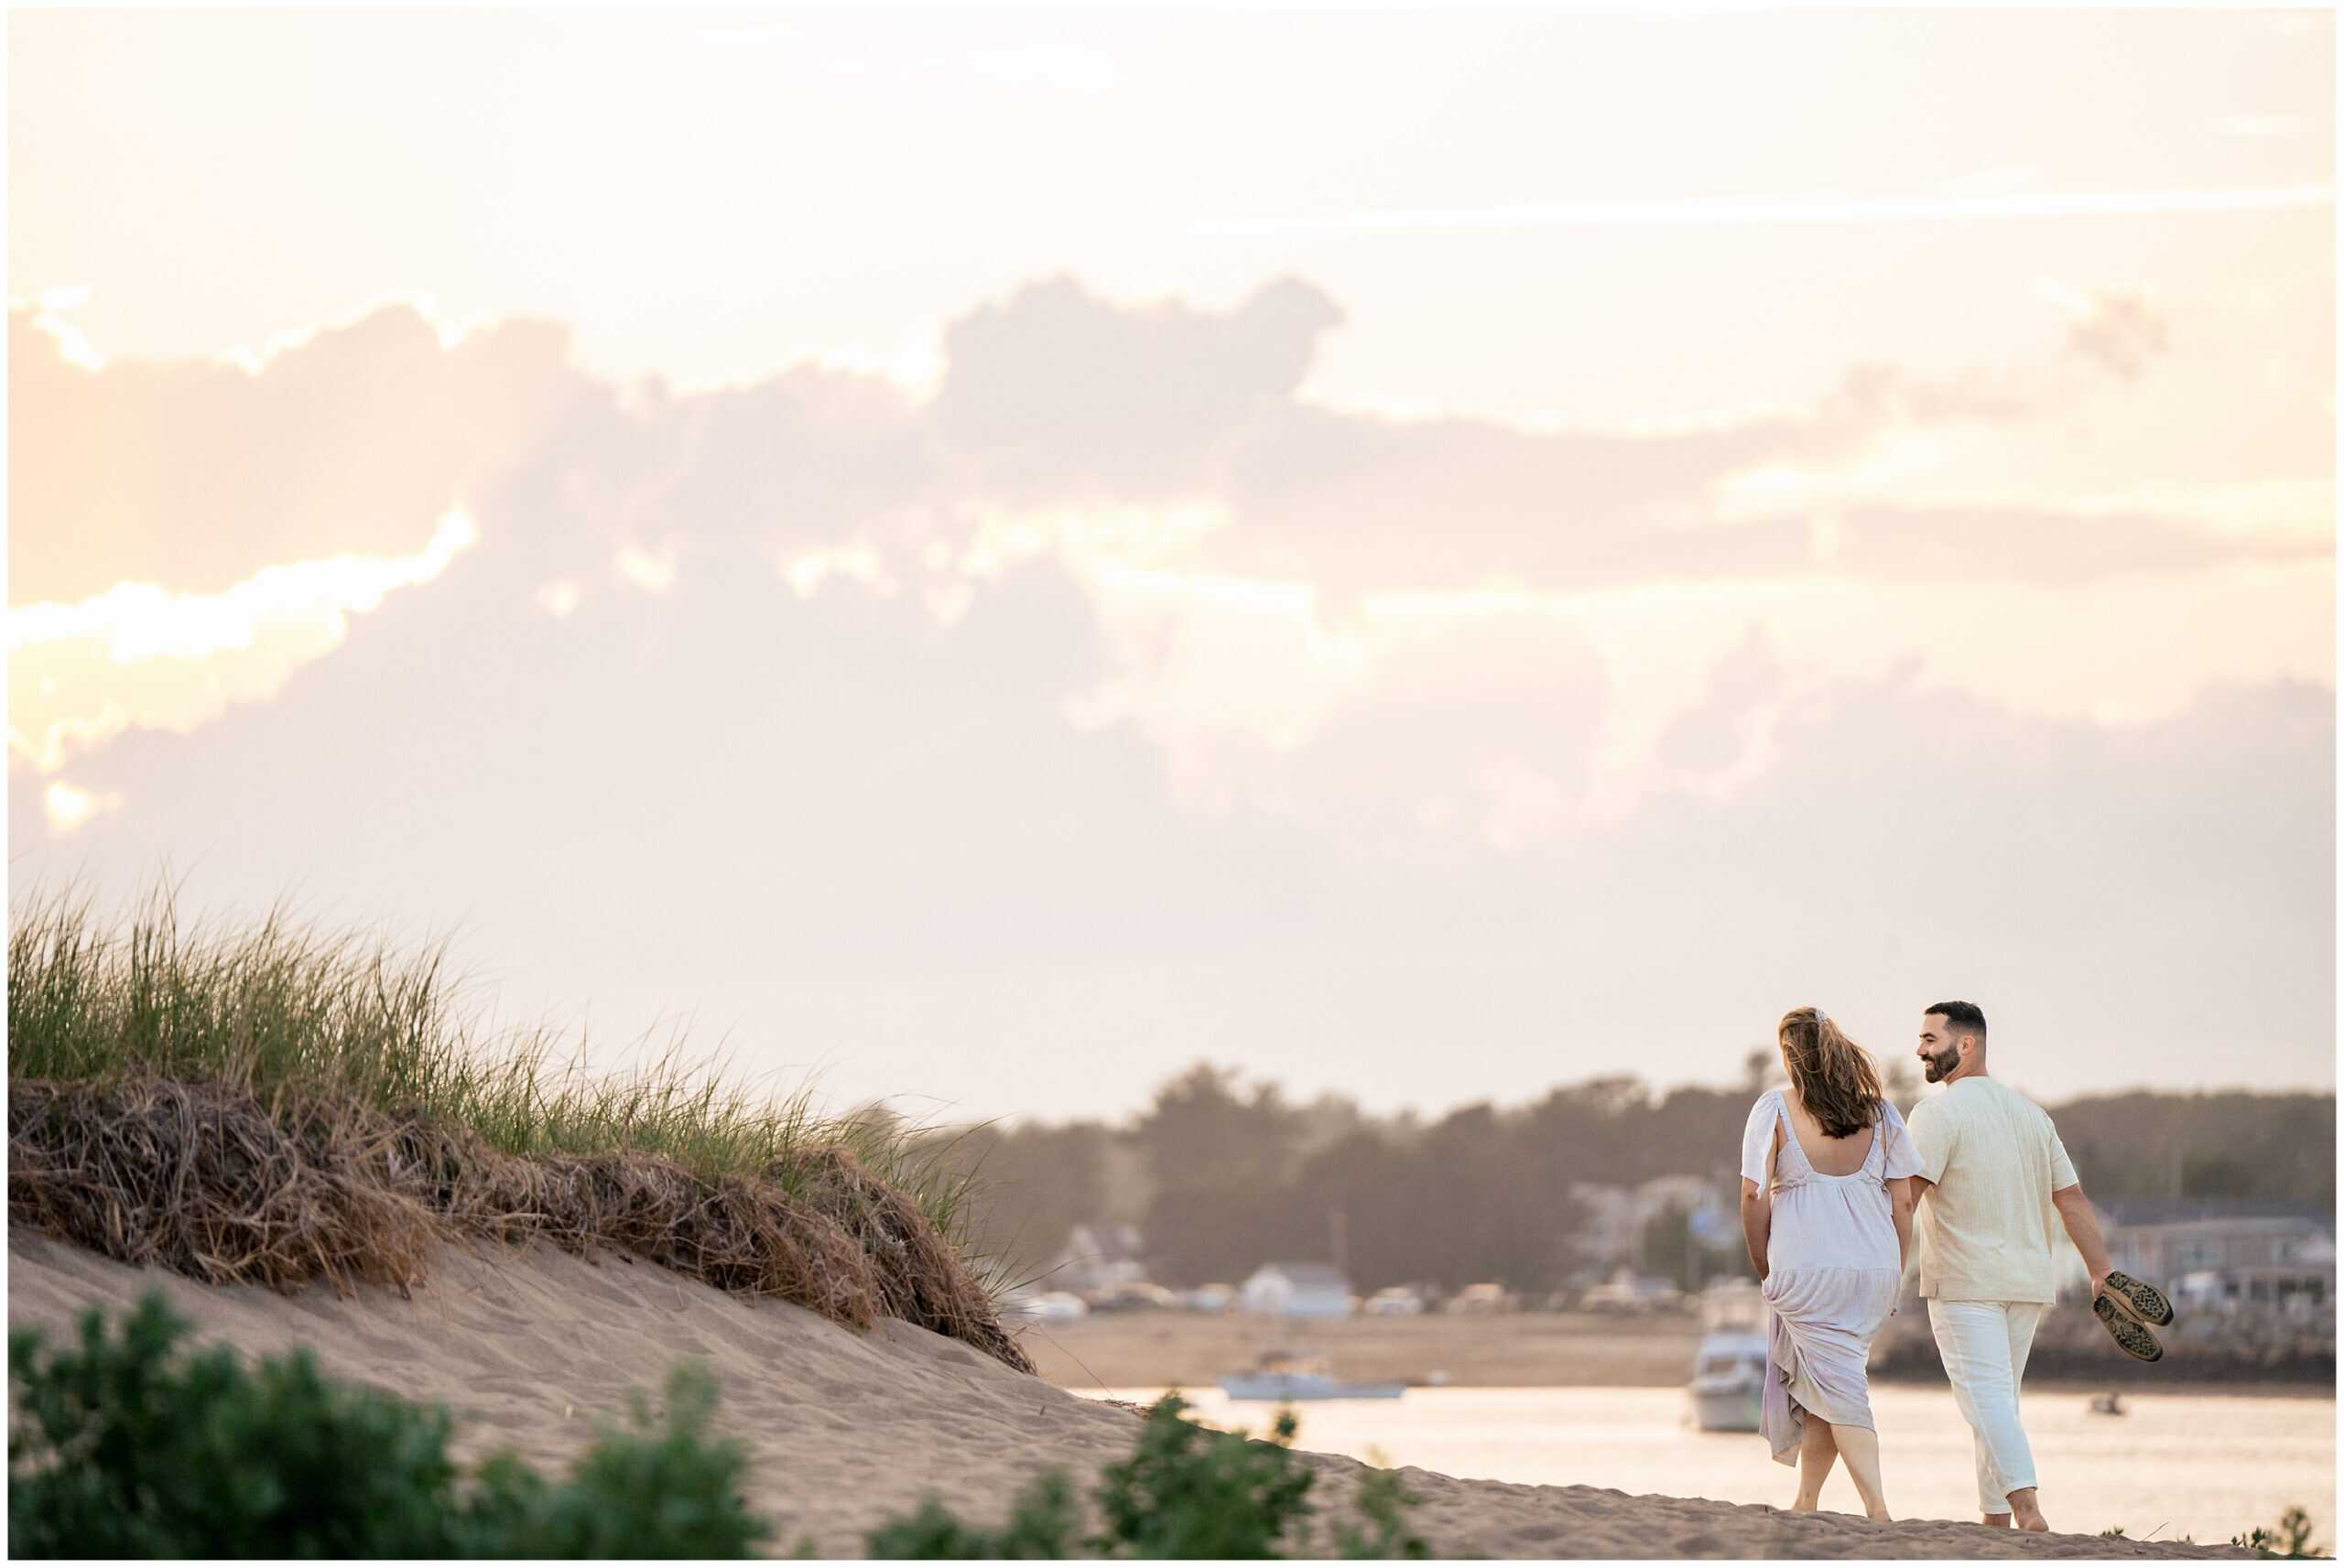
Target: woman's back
{"type": "Point", "coordinates": [1826, 1156]}
{"type": "Point", "coordinates": [1825, 1218]}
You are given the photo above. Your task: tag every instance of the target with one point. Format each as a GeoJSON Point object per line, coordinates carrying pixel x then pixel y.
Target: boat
{"type": "Point", "coordinates": [1728, 1380]}
{"type": "Point", "coordinates": [1729, 1364]}
{"type": "Point", "coordinates": [1282, 1375]}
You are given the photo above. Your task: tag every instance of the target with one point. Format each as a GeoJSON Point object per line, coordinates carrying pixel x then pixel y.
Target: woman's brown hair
{"type": "Point", "coordinates": [1833, 1076]}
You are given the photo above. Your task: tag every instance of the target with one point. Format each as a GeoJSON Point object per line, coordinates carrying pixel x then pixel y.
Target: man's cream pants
{"type": "Point", "coordinates": [1984, 1346]}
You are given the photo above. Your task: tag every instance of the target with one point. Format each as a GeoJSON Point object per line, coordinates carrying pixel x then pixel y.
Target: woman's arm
{"type": "Point", "coordinates": [1900, 1209]}
{"type": "Point", "coordinates": [1757, 1221]}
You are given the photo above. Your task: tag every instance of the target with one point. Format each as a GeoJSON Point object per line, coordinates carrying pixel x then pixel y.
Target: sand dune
{"type": "Point", "coordinates": [844, 1429]}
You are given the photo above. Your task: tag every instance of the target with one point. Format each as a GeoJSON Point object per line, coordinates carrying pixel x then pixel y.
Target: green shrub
{"type": "Point", "coordinates": [1185, 1491]}
{"type": "Point", "coordinates": [1042, 1525]}
{"type": "Point", "coordinates": [1189, 1492]}
{"type": "Point", "coordinates": [1384, 1505]}
{"type": "Point", "coordinates": [2291, 1539]}
{"type": "Point", "coordinates": [128, 1446]}
{"type": "Point", "coordinates": [124, 1447]}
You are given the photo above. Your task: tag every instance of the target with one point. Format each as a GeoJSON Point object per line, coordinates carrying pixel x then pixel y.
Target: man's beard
{"type": "Point", "coordinates": [1934, 1068]}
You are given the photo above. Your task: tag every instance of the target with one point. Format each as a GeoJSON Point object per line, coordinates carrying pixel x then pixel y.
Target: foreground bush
{"type": "Point", "coordinates": [1185, 1491]}
{"type": "Point", "coordinates": [128, 1446]}
{"type": "Point", "coordinates": [124, 1448]}
{"type": "Point", "coordinates": [2291, 1539]}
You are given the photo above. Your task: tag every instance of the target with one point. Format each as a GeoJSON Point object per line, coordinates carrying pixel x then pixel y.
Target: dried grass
{"type": "Point", "coordinates": [920, 1276]}
{"type": "Point", "coordinates": [279, 1103]}
{"type": "Point", "coordinates": [210, 1180]}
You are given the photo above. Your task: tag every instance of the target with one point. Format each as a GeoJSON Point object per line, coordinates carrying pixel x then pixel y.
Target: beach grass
{"type": "Point", "coordinates": [283, 1040]}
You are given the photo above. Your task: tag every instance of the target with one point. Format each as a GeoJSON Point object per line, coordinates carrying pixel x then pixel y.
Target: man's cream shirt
{"type": "Point", "coordinates": [1986, 1233]}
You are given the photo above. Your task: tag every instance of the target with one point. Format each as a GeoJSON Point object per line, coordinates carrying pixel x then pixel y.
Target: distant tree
{"type": "Point", "coordinates": [1223, 1177]}
{"type": "Point", "coordinates": [1201, 1130]}
{"type": "Point", "coordinates": [1034, 1184]}
{"type": "Point", "coordinates": [1220, 1163]}
{"type": "Point", "coordinates": [2215, 1176]}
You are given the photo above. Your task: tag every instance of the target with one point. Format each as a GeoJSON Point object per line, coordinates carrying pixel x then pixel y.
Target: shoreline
{"type": "Point", "coordinates": [1155, 1349]}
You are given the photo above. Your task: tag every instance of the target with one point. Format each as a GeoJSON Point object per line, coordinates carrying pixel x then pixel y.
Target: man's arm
{"type": "Point", "coordinates": [1900, 1210]}
{"type": "Point", "coordinates": [1922, 1187]}
{"type": "Point", "coordinates": [2083, 1230]}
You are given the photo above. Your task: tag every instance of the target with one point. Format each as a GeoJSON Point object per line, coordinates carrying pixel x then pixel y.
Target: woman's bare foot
{"type": "Point", "coordinates": [2026, 1514]}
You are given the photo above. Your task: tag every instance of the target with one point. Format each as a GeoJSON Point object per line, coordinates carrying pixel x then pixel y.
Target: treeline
{"type": "Point", "coordinates": [1221, 1175]}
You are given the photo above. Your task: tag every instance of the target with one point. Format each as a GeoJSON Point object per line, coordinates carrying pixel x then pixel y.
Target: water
{"type": "Point", "coordinates": [2203, 1465]}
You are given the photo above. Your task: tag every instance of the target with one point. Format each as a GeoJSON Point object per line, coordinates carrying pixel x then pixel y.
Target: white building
{"type": "Point", "coordinates": [1296, 1290]}
{"type": "Point", "coordinates": [1096, 1258]}
{"type": "Point", "coordinates": [1613, 1227]}
{"type": "Point", "coordinates": [2229, 1256]}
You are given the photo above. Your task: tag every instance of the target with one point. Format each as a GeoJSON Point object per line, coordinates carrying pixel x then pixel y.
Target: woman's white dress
{"type": "Point", "coordinates": [1831, 1270]}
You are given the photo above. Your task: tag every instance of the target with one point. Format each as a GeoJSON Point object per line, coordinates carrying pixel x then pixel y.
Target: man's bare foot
{"type": "Point", "coordinates": [1995, 1522]}
{"type": "Point", "coordinates": [1802, 1506]}
{"type": "Point", "coordinates": [2023, 1510]}
{"type": "Point", "coordinates": [1882, 1517]}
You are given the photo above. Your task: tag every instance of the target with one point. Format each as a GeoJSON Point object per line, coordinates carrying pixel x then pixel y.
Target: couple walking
{"type": "Point", "coordinates": [1837, 1190]}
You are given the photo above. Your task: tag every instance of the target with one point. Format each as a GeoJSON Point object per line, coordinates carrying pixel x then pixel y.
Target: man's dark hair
{"type": "Point", "coordinates": [1961, 1017]}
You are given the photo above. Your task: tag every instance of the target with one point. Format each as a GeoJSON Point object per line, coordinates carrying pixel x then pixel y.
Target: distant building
{"type": "Point", "coordinates": [1607, 1232]}
{"type": "Point", "coordinates": [2228, 1255]}
{"type": "Point", "coordinates": [1296, 1290]}
{"type": "Point", "coordinates": [1097, 1259]}
{"type": "Point", "coordinates": [1613, 1218]}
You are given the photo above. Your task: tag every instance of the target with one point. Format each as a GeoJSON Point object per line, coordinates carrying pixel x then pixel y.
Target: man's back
{"type": "Point", "coordinates": [1985, 1232]}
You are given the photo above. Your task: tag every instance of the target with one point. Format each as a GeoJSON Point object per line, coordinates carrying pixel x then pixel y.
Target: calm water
{"type": "Point", "coordinates": [2201, 1465]}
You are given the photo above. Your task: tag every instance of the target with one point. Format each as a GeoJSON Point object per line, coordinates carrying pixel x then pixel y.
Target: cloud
{"type": "Point", "coordinates": [2120, 332]}
{"type": "Point", "coordinates": [138, 655]}
{"type": "Point", "coordinates": [1771, 209]}
{"type": "Point", "coordinates": [1122, 697]}
{"type": "Point", "coordinates": [198, 475]}
{"type": "Point", "coordinates": [1058, 389]}
{"type": "Point", "coordinates": [2262, 128]}
{"type": "Point", "coordinates": [1246, 554]}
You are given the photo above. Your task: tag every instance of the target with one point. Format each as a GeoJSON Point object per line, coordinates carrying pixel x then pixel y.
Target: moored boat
{"type": "Point", "coordinates": [1728, 1380]}
{"type": "Point", "coordinates": [1729, 1365]}
{"type": "Point", "coordinates": [1282, 1375]}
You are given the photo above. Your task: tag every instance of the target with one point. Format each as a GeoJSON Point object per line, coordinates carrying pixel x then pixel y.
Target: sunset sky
{"type": "Point", "coordinates": [987, 557]}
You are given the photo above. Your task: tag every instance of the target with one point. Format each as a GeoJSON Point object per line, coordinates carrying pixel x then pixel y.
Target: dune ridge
{"type": "Point", "coordinates": [532, 1345]}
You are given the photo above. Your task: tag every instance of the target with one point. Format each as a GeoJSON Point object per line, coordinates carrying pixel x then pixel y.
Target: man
{"type": "Point", "coordinates": [1992, 1176]}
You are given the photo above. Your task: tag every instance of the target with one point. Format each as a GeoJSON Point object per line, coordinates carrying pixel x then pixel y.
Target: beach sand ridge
{"type": "Point", "coordinates": [533, 1348]}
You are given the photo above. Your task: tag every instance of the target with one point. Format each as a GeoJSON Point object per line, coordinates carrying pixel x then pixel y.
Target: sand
{"type": "Point", "coordinates": [532, 1347]}
{"type": "Point", "coordinates": [1151, 1348]}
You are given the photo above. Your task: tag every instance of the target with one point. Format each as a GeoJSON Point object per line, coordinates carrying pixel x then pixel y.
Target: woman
{"type": "Point", "coordinates": [1828, 1211]}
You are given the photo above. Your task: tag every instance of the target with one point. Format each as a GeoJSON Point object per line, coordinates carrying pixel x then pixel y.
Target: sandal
{"type": "Point", "coordinates": [2132, 1336]}
{"type": "Point", "coordinates": [2145, 1301]}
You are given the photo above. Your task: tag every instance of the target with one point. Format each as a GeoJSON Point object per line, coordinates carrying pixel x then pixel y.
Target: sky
{"type": "Point", "coordinates": [980, 558]}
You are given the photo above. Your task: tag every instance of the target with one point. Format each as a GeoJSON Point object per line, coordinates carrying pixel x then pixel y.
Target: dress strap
{"type": "Point", "coordinates": [1789, 1134]}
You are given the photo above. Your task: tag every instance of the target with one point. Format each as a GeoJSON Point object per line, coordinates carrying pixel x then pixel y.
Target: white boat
{"type": "Point", "coordinates": [1729, 1365]}
{"type": "Point", "coordinates": [1728, 1380]}
{"type": "Point", "coordinates": [1283, 1375]}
